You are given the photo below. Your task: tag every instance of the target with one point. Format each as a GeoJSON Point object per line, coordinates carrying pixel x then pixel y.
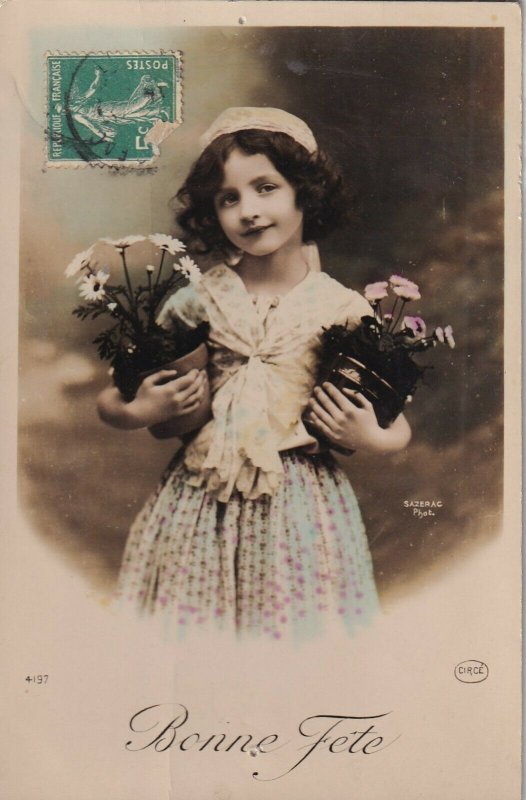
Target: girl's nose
{"type": "Point", "coordinates": [248, 210]}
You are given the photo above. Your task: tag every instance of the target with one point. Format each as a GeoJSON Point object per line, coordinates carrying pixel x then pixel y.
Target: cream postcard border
{"type": "Point", "coordinates": [27, 624]}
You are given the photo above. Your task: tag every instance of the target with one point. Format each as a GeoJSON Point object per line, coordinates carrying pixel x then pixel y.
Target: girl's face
{"type": "Point", "coordinates": [256, 205]}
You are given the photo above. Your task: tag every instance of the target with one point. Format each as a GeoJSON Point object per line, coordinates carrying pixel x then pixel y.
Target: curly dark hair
{"type": "Point", "coordinates": [319, 187]}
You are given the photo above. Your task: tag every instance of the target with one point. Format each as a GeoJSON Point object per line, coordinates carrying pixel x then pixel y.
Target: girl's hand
{"type": "Point", "coordinates": [162, 396]}
{"type": "Point", "coordinates": [347, 418]}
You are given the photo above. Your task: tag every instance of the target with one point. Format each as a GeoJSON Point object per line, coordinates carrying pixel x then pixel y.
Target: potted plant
{"type": "Point", "coordinates": [377, 357]}
{"type": "Point", "coordinates": [134, 344]}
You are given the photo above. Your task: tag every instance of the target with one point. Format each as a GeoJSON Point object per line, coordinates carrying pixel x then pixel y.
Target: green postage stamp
{"type": "Point", "coordinates": [111, 108]}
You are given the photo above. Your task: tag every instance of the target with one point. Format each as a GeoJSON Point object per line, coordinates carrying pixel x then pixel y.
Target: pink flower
{"type": "Point", "coordinates": [398, 280]}
{"type": "Point", "coordinates": [416, 325]}
{"type": "Point", "coordinates": [439, 334]}
{"type": "Point", "coordinates": [376, 291]}
{"type": "Point", "coordinates": [407, 291]}
{"type": "Point", "coordinates": [404, 288]}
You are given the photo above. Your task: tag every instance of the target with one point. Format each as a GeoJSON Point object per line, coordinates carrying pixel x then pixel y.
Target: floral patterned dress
{"type": "Point", "coordinates": [247, 528]}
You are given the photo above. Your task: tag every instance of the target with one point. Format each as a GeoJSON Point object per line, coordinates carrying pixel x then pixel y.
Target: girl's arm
{"type": "Point", "coordinates": [156, 401]}
{"type": "Point", "coordinates": [347, 418]}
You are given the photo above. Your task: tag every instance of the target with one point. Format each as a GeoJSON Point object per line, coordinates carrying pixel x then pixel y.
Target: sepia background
{"type": "Point", "coordinates": [414, 117]}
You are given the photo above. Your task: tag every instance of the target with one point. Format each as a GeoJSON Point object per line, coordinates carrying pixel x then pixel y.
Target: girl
{"type": "Point", "coordinates": [251, 524]}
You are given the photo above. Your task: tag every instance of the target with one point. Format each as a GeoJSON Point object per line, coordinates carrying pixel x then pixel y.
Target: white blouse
{"type": "Point", "coordinates": [262, 371]}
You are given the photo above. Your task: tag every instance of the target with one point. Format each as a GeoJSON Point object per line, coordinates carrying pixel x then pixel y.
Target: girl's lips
{"type": "Point", "coordinates": [255, 230]}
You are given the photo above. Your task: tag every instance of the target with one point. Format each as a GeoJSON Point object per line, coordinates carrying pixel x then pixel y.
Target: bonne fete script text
{"type": "Point", "coordinates": [166, 726]}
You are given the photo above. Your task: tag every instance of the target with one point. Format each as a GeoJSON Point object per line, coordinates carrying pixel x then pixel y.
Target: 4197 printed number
{"type": "Point", "coordinates": [37, 679]}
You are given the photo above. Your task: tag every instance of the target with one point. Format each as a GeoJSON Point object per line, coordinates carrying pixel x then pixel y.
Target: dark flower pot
{"type": "Point", "coordinates": [197, 359]}
{"type": "Point", "coordinates": [350, 373]}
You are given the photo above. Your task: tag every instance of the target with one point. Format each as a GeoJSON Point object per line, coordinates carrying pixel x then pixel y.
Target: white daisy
{"type": "Point", "coordinates": [81, 260]}
{"type": "Point", "coordinates": [125, 241]}
{"type": "Point", "coordinates": [171, 245]}
{"type": "Point", "coordinates": [189, 268]}
{"type": "Point", "coordinates": [92, 286]}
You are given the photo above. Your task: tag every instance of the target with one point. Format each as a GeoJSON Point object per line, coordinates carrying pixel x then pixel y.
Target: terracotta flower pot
{"type": "Point", "coordinates": [347, 372]}
{"type": "Point", "coordinates": [197, 359]}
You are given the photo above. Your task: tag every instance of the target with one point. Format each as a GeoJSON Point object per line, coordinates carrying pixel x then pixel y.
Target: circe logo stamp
{"type": "Point", "coordinates": [471, 671]}
{"type": "Point", "coordinates": [111, 108]}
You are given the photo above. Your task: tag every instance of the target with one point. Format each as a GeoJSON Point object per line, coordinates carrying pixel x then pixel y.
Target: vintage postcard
{"type": "Point", "coordinates": [261, 400]}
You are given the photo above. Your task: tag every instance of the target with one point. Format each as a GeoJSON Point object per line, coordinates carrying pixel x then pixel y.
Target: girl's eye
{"type": "Point", "coordinates": [227, 200]}
{"type": "Point", "coordinates": [265, 188]}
